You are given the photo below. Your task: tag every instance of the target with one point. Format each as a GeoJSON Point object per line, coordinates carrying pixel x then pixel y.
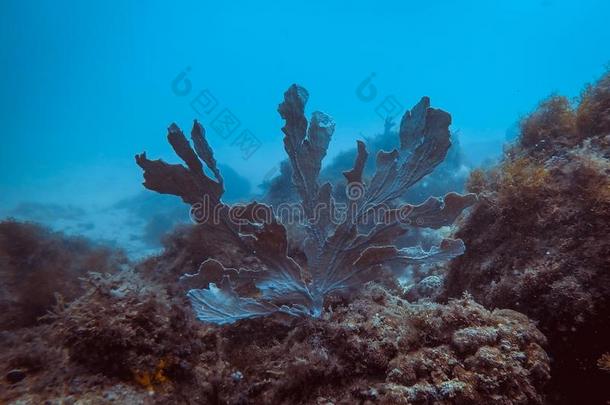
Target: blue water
{"type": "Point", "coordinates": [86, 85]}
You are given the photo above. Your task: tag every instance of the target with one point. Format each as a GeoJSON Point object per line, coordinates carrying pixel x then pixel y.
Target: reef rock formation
{"type": "Point", "coordinates": [123, 339]}
{"type": "Point", "coordinates": [127, 341]}
{"type": "Point", "coordinates": [538, 240]}
{"type": "Point", "coordinates": [381, 349]}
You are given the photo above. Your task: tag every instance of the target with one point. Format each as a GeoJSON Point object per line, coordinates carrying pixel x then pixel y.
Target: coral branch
{"type": "Point", "coordinates": [340, 257]}
{"type": "Point", "coordinates": [189, 183]}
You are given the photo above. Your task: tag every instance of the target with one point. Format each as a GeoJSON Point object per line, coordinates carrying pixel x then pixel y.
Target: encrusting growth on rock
{"type": "Point", "coordinates": [538, 239]}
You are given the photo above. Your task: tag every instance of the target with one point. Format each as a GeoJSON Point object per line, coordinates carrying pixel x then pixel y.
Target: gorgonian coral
{"type": "Point", "coordinates": [346, 246]}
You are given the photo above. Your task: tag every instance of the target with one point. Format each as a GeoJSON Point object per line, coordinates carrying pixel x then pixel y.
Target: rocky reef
{"type": "Point", "coordinates": [129, 339]}
{"type": "Point", "coordinates": [321, 321]}
{"type": "Point", "coordinates": [538, 239]}
{"type": "Point", "coordinates": [381, 349]}
{"type": "Point", "coordinates": [126, 340]}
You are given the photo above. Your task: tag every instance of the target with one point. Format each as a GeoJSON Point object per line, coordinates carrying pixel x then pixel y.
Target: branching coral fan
{"type": "Point", "coordinates": [341, 254]}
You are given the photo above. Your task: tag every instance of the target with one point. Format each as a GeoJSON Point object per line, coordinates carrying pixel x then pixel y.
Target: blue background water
{"type": "Point", "coordinates": [86, 85]}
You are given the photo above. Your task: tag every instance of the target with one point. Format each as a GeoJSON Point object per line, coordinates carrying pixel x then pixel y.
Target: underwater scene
{"type": "Point", "coordinates": [308, 202]}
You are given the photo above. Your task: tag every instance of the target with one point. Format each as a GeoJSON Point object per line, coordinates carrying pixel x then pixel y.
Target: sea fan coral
{"type": "Point", "coordinates": [342, 254]}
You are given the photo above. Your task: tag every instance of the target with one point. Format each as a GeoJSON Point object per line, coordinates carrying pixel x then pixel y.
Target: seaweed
{"type": "Point", "coordinates": [345, 246]}
{"type": "Point", "coordinates": [38, 267]}
{"type": "Point", "coordinates": [538, 239]}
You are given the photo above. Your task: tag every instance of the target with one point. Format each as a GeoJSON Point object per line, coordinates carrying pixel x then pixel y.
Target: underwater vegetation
{"type": "Point", "coordinates": [137, 332]}
{"type": "Point", "coordinates": [538, 238]}
{"type": "Point", "coordinates": [38, 267]}
{"type": "Point", "coordinates": [379, 348]}
{"type": "Point", "coordinates": [311, 311]}
{"type": "Point", "coordinates": [128, 341]}
{"type": "Point", "coordinates": [341, 255]}
{"type": "Point", "coordinates": [449, 175]}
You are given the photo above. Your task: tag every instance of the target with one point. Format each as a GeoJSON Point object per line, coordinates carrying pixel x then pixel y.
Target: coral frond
{"type": "Point", "coordinates": [341, 256]}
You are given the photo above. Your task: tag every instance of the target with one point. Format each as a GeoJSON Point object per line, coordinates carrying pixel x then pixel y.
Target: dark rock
{"type": "Point", "coordinates": [14, 376]}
